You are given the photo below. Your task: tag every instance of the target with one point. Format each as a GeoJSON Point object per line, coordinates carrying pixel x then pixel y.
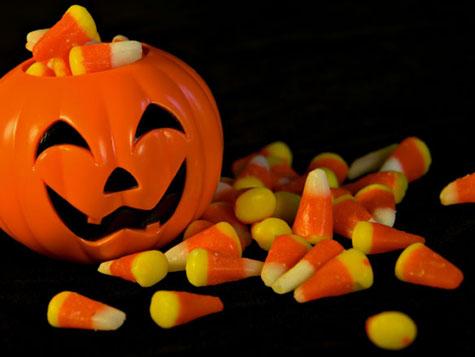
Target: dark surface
{"type": "Point", "coordinates": [346, 78]}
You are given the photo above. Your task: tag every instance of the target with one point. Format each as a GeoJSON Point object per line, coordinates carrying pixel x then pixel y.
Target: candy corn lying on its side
{"type": "Point", "coordinates": [391, 330]}
{"type": "Point", "coordinates": [462, 190]}
{"type": "Point", "coordinates": [72, 310]}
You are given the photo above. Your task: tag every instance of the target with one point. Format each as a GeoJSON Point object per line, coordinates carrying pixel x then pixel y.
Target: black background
{"type": "Point", "coordinates": [346, 77]}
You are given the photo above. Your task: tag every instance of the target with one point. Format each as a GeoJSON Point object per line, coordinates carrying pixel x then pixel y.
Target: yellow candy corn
{"type": "Point", "coordinates": [255, 205]}
{"type": "Point", "coordinates": [266, 231]}
{"type": "Point", "coordinates": [391, 330]}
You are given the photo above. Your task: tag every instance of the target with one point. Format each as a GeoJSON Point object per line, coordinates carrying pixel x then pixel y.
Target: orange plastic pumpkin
{"type": "Point", "coordinates": [90, 166]}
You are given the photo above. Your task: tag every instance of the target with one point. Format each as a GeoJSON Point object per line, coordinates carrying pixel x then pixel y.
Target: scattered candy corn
{"type": "Point", "coordinates": [255, 205]}
{"type": "Point", "coordinates": [280, 150]}
{"type": "Point", "coordinates": [333, 162]}
{"type": "Point", "coordinates": [220, 237]}
{"type": "Point", "coordinates": [72, 310]}
{"type": "Point", "coordinates": [146, 268]}
{"type": "Point", "coordinates": [256, 173]}
{"type": "Point", "coordinates": [314, 219]}
{"type": "Point", "coordinates": [411, 157]}
{"type": "Point", "coordinates": [76, 27]}
{"type": "Point", "coordinates": [348, 272]}
{"type": "Point", "coordinates": [267, 230]}
{"type": "Point", "coordinates": [370, 162]}
{"type": "Point", "coordinates": [205, 268]}
{"type": "Point", "coordinates": [225, 192]}
{"type": "Point", "coordinates": [391, 330]}
{"type": "Point", "coordinates": [418, 264]}
{"type": "Point", "coordinates": [172, 308]}
{"type": "Point", "coordinates": [371, 238]}
{"type": "Point", "coordinates": [393, 179]}
{"type": "Point", "coordinates": [285, 252]}
{"type": "Point", "coordinates": [462, 190]}
{"type": "Point", "coordinates": [312, 261]}
{"type": "Point", "coordinates": [379, 201]}
{"type": "Point", "coordinates": [286, 205]}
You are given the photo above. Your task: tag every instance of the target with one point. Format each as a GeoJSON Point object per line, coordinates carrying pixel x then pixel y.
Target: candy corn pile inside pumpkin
{"type": "Point", "coordinates": [73, 47]}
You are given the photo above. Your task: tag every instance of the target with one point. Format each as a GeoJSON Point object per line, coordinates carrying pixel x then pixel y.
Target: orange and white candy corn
{"type": "Point", "coordinates": [348, 272]}
{"type": "Point", "coordinates": [379, 201]}
{"type": "Point", "coordinates": [72, 310]}
{"type": "Point", "coordinates": [173, 308]}
{"type": "Point", "coordinates": [265, 231]}
{"type": "Point", "coordinates": [333, 162]}
{"type": "Point", "coordinates": [314, 219]}
{"type": "Point", "coordinates": [372, 238]}
{"type": "Point", "coordinates": [39, 69]}
{"type": "Point", "coordinates": [397, 181]}
{"type": "Point", "coordinates": [284, 253]}
{"type": "Point", "coordinates": [103, 56]}
{"type": "Point", "coordinates": [411, 157]}
{"type": "Point", "coordinates": [315, 258]}
{"type": "Point", "coordinates": [370, 162]}
{"type": "Point", "coordinates": [256, 173]}
{"type": "Point", "coordinates": [195, 227]}
{"type": "Point", "coordinates": [204, 267]}
{"type": "Point", "coordinates": [224, 211]}
{"type": "Point", "coordinates": [462, 190]}
{"type": "Point", "coordinates": [220, 237]}
{"type": "Point", "coordinates": [418, 264]}
{"type": "Point", "coordinates": [76, 27]}
{"type": "Point", "coordinates": [33, 37]}
{"type": "Point", "coordinates": [145, 268]}
{"type": "Point", "coordinates": [391, 330]}
{"type": "Point", "coordinates": [347, 212]}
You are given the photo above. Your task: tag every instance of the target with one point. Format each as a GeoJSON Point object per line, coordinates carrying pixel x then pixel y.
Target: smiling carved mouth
{"type": "Point", "coordinates": [123, 217]}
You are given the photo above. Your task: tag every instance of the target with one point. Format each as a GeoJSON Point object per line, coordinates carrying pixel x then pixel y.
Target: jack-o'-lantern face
{"type": "Point", "coordinates": [97, 166]}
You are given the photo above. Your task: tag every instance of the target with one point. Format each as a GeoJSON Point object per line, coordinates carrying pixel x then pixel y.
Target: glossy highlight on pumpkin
{"type": "Point", "coordinates": [134, 183]}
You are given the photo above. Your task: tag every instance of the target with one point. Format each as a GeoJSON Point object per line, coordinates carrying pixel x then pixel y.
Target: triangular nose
{"type": "Point", "coordinates": [120, 180]}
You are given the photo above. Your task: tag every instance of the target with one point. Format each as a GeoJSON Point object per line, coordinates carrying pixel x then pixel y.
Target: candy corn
{"type": "Point", "coordinates": [267, 230]}
{"type": "Point", "coordinates": [220, 237]}
{"type": "Point", "coordinates": [379, 201]}
{"type": "Point", "coordinates": [173, 308]}
{"type": "Point", "coordinates": [195, 227]}
{"type": "Point", "coordinates": [411, 157]}
{"type": "Point", "coordinates": [225, 192]}
{"type": "Point", "coordinates": [59, 66]}
{"type": "Point", "coordinates": [393, 179]}
{"type": "Point", "coordinates": [372, 238]}
{"type": "Point", "coordinates": [285, 252]}
{"type": "Point", "coordinates": [281, 172]}
{"type": "Point", "coordinates": [76, 27]}
{"type": "Point", "coordinates": [391, 330]}
{"type": "Point", "coordinates": [224, 211]}
{"type": "Point", "coordinates": [146, 268]}
{"type": "Point", "coordinates": [461, 190]}
{"type": "Point", "coordinates": [370, 162]}
{"type": "Point", "coordinates": [333, 162]}
{"type": "Point", "coordinates": [346, 214]}
{"type": "Point", "coordinates": [72, 310]}
{"type": "Point", "coordinates": [33, 37]}
{"type": "Point", "coordinates": [418, 264]}
{"type": "Point", "coordinates": [39, 69]}
{"type": "Point", "coordinates": [103, 56]}
{"type": "Point", "coordinates": [120, 38]}
{"type": "Point", "coordinates": [255, 205]}
{"type": "Point", "coordinates": [205, 268]}
{"type": "Point", "coordinates": [312, 261]}
{"type": "Point", "coordinates": [280, 150]}
{"type": "Point", "coordinates": [314, 219]}
{"type": "Point", "coordinates": [348, 272]}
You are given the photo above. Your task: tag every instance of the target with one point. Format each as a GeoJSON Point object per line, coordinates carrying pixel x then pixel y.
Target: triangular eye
{"type": "Point", "coordinates": [156, 117]}
{"type": "Point", "coordinates": [60, 133]}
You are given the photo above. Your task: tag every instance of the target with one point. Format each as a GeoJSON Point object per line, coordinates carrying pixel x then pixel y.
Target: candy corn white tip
{"type": "Point", "coordinates": [253, 267]}
{"type": "Point", "coordinates": [176, 257]}
{"type": "Point", "coordinates": [271, 272]}
{"type": "Point", "coordinates": [317, 183]}
{"type": "Point", "coordinates": [293, 278]}
{"type": "Point", "coordinates": [125, 52]}
{"type": "Point", "coordinates": [370, 162]}
{"type": "Point", "coordinates": [392, 164]}
{"type": "Point", "coordinates": [260, 160]}
{"type": "Point", "coordinates": [108, 319]}
{"type": "Point", "coordinates": [449, 195]}
{"type": "Point", "coordinates": [104, 268]}
{"type": "Point", "coordinates": [386, 216]}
